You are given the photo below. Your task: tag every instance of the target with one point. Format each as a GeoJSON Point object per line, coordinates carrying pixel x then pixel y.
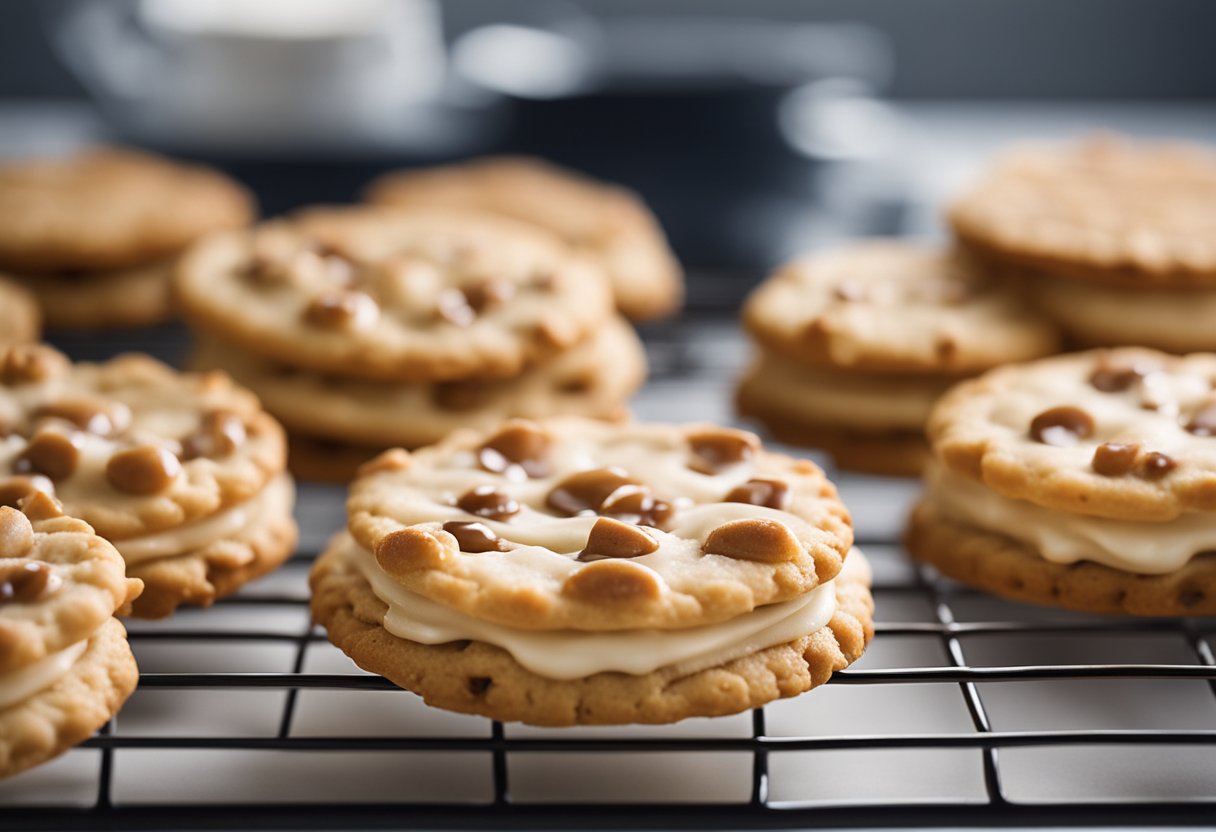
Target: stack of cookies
{"type": "Point", "coordinates": [20, 320]}
{"type": "Point", "coordinates": [65, 665]}
{"type": "Point", "coordinates": [184, 474]}
{"type": "Point", "coordinates": [609, 224]}
{"type": "Point", "coordinates": [856, 345]}
{"type": "Point", "coordinates": [576, 572]}
{"type": "Point", "coordinates": [367, 328]}
{"type": "Point", "coordinates": [1086, 481]}
{"type": "Point", "coordinates": [1113, 239]}
{"type": "Point", "coordinates": [94, 236]}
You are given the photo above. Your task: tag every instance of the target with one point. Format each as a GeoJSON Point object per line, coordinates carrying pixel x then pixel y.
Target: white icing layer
{"type": "Point", "coordinates": [273, 500]}
{"type": "Point", "coordinates": [1060, 537]}
{"type": "Point", "coordinates": [571, 654]}
{"type": "Point", "coordinates": [22, 684]}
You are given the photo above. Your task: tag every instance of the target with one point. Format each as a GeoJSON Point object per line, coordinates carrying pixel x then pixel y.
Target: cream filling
{"type": "Point", "coordinates": [273, 500]}
{"type": "Point", "coordinates": [1061, 537]}
{"type": "Point", "coordinates": [574, 654]}
{"type": "Point", "coordinates": [22, 684]}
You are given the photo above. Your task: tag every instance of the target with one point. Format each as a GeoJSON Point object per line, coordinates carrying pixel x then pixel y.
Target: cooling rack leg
{"type": "Point", "coordinates": [501, 794]}
{"type": "Point", "coordinates": [759, 761]}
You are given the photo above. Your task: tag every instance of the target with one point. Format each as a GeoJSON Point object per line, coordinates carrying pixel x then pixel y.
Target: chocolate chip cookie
{"type": "Point", "coordinates": [610, 224]}
{"type": "Point", "coordinates": [183, 473]}
{"type": "Point", "coordinates": [65, 666]}
{"type": "Point", "coordinates": [571, 572]}
{"type": "Point", "coordinates": [1086, 481]}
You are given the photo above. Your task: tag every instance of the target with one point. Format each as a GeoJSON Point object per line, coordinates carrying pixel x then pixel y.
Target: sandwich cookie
{"type": "Point", "coordinates": [1085, 481]}
{"type": "Point", "coordinates": [855, 346]}
{"type": "Point", "coordinates": [1112, 238]}
{"type": "Point", "coordinates": [65, 665]}
{"type": "Point", "coordinates": [609, 223]}
{"type": "Point", "coordinates": [574, 572]}
{"type": "Point", "coordinates": [184, 474]}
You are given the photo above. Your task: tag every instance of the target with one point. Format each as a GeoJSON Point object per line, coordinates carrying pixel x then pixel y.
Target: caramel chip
{"type": "Point", "coordinates": [1155, 465]}
{"type": "Point", "coordinates": [755, 539]}
{"type": "Point", "coordinates": [616, 580]}
{"type": "Point", "coordinates": [715, 450]}
{"type": "Point", "coordinates": [760, 492]}
{"type": "Point", "coordinates": [54, 455]}
{"type": "Point", "coordinates": [343, 309]}
{"type": "Point", "coordinates": [30, 363]}
{"type": "Point", "coordinates": [411, 548]}
{"type": "Point", "coordinates": [520, 444]}
{"type": "Point", "coordinates": [474, 537]}
{"type": "Point", "coordinates": [220, 435]}
{"type": "Point", "coordinates": [41, 506]}
{"type": "Point", "coordinates": [1203, 422]}
{"type": "Point", "coordinates": [24, 583]}
{"type": "Point", "coordinates": [145, 470]}
{"type": "Point", "coordinates": [101, 418]}
{"type": "Point", "coordinates": [635, 504]}
{"type": "Point", "coordinates": [1111, 379]}
{"type": "Point", "coordinates": [14, 489]}
{"type": "Point", "coordinates": [586, 490]}
{"type": "Point", "coordinates": [1062, 427]}
{"type": "Point", "coordinates": [16, 533]}
{"type": "Point", "coordinates": [613, 539]}
{"type": "Point", "coordinates": [486, 293]}
{"type": "Point", "coordinates": [487, 501]}
{"type": "Point", "coordinates": [1114, 459]}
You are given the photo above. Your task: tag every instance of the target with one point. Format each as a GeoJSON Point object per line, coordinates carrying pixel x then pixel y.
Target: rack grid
{"type": "Point", "coordinates": [680, 368]}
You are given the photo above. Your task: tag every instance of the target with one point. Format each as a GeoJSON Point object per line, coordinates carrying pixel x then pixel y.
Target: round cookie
{"type": "Point", "coordinates": [610, 223]}
{"type": "Point", "coordinates": [108, 209]}
{"type": "Point", "coordinates": [1012, 569]}
{"type": "Point", "coordinates": [1175, 320]}
{"type": "Point", "coordinates": [591, 379]}
{"type": "Point", "coordinates": [479, 678]}
{"type": "Point", "coordinates": [394, 295]}
{"type": "Point", "coordinates": [1108, 210]}
{"type": "Point", "coordinates": [701, 524]}
{"type": "Point", "coordinates": [133, 296]}
{"type": "Point", "coordinates": [183, 473]}
{"type": "Point", "coordinates": [20, 321]}
{"type": "Point", "coordinates": [1124, 434]}
{"type": "Point", "coordinates": [65, 665]}
{"type": "Point", "coordinates": [894, 307]}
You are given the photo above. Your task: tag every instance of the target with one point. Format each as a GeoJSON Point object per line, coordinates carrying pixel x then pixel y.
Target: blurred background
{"type": "Point", "coordinates": [755, 129]}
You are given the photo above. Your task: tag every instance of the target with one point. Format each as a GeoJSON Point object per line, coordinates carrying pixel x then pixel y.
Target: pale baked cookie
{"type": "Point", "coordinates": [856, 344]}
{"type": "Point", "coordinates": [1110, 210]}
{"type": "Point", "coordinates": [715, 548]}
{"type": "Point", "coordinates": [610, 223]}
{"type": "Point", "coordinates": [591, 379]}
{"type": "Point", "coordinates": [395, 295]}
{"type": "Point", "coordinates": [475, 676]}
{"type": "Point", "coordinates": [1085, 480]}
{"type": "Point", "coordinates": [106, 209]}
{"type": "Point", "coordinates": [183, 473]}
{"type": "Point", "coordinates": [571, 572]}
{"type": "Point", "coordinates": [133, 296]}
{"type": "Point", "coordinates": [65, 666]}
{"type": "Point", "coordinates": [890, 306]}
{"type": "Point", "coordinates": [20, 321]}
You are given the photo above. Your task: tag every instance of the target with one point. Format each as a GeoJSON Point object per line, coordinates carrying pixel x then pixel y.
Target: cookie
{"type": "Point", "coordinates": [65, 665]}
{"type": "Point", "coordinates": [1175, 320]}
{"type": "Point", "coordinates": [894, 307]}
{"type": "Point", "coordinates": [107, 209]}
{"type": "Point", "coordinates": [591, 379]}
{"type": "Point", "coordinates": [133, 296]}
{"type": "Point", "coordinates": [508, 674]}
{"type": "Point", "coordinates": [609, 223]}
{"type": "Point", "coordinates": [1108, 210]}
{"type": "Point", "coordinates": [1099, 464]}
{"type": "Point", "coordinates": [320, 460]}
{"type": "Point", "coordinates": [394, 295]}
{"type": "Point", "coordinates": [730, 526]}
{"type": "Point", "coordinates": [183, 473]}
{"type": "Point", "coordinates": [20, 321]}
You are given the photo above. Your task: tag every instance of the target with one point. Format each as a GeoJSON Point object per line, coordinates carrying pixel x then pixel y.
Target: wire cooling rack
{"type": "Point", "coordinates": [967, 710]}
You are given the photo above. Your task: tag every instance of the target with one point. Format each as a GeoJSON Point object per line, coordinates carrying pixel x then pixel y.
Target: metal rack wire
{"type": "Point", "coordinates": [760, 810]}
